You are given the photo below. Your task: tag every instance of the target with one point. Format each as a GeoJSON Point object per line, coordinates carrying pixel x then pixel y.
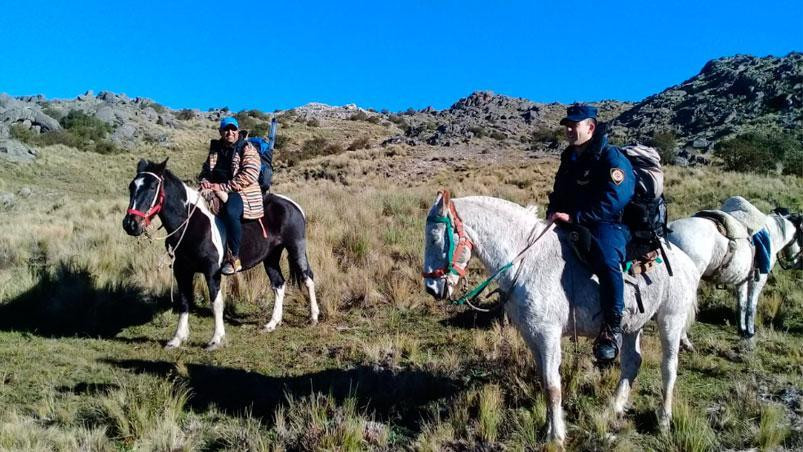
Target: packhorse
{"type": "Point", "coordinates": [197, 243]}
{"type": "Point", "coordinates": [550, 293]}
{"type": "Point", "coordinates": [731, 262]}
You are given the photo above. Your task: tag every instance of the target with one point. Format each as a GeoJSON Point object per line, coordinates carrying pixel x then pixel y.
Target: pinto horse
{"type": "Point", "coordinates": [549, 293]}
{"type": "Point", "coordinates": [197, 241]}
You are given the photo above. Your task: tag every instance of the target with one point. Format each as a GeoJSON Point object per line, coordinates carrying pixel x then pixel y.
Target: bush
{"type": "Point", "coordinates": [359, 116]}
{"type": "Point", "coordinates": [316, 147]}
{"type": "Point", "coordinates": [314, 122]}
{"type": "Point", "coordinates": [374, 119]}
{"type": "Point", "coordinates": [754, 152]}
{"type": "Point", "coordinates": [793, 162]}
{"type": "Point", "coordinates": [281, 141]}
{"type": "Point", "coordinates": [497, 135]}
{"type": "Point", "coordinates": [666, 144]}
{"type": "Point", "coordinates": [185, 114]}
{"type": "Point", "coordinates": [81, 131]}
{"type": "Point", "coordinates": [547, 136]}
{"type": "Point", "coordinates": [360, 143]}
{"type": "Point", "coordinates": [478, 132]}
{"type": "Point", "coordinates": [21, 133]}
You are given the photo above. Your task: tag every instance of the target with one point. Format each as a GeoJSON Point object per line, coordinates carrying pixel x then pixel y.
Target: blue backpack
{"type": "Point", "coordinates": [265, 149]}
{"type": "Point", "coordinates": [266, 159]}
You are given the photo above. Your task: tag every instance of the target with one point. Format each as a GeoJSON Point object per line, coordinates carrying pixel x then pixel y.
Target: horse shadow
{"type": "Point", "coordinates": [401, 396]}
{"type": "Point", "coordinates": [68, 302]}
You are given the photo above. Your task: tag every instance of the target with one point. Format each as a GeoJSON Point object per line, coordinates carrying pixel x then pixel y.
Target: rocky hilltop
{"type": "Point", "coordinates": [729, 96]}
{"type": "Point", "coordinates": [485, 114]}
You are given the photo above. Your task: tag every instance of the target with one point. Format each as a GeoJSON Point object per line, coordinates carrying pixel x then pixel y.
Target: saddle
{"type": "Point", "coordinates": [584, 245]}
{"type": "Point", "coordinates": [214, 200]}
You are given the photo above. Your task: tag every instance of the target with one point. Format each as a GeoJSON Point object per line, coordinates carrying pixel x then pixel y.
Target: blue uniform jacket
{"type": "Point", "coordinates": [594, 187]}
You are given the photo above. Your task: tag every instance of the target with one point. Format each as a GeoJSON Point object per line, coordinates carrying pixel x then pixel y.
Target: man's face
{"type": "Point", "coordinates": [230, 134]}
{"type": "Point", "coordinates": [578, 133]}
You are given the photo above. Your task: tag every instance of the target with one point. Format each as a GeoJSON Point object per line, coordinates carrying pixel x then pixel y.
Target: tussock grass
{"type": "Point", "coordinates": [690, 431]}
{"type": "Point", "coordinates": [89, 303]}
{"type": "Point", "coordinates": [773, 428]}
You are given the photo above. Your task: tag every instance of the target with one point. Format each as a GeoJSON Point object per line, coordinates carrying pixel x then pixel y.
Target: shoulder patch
{"type": "Point", "coordinates": [617, 175]}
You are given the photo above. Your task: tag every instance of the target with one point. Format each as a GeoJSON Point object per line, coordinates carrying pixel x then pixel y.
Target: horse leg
{"type": "Point", "coordinates": [671, 329]}
{"type": "Point", "coordinates": [299, 266]}
{"type": "Point", "coordinates": [550, 356]}
{"type": "Point", "coordinates": [631, 363]}
{"type": "Point", "coordinates": [741, 296]}
{"type": "Point", "coordinates": [277, 283]}
{"type": "Point", "coordinates": [184, 282]}
{"type": "Point", "coordinates": [753, 293]}
{"type": "Point", "coordinates": [213, 283]}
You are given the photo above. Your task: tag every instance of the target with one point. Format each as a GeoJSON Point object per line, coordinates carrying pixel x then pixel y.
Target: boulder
{"type": "Point", "coordinates": [15, 151]}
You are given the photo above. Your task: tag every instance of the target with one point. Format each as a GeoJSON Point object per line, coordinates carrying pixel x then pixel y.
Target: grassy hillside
{"type": "Point", "coordinates": [84, 312]}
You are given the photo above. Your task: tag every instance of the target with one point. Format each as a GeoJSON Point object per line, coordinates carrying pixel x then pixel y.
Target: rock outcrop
{"type": "Point", "coordinates": [728, 97]}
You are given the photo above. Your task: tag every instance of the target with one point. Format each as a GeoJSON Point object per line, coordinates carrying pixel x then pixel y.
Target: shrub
{"type": "Point", "coordinates": [754, 152]}
{"type": "Point", "coordinates": [478, 132]}
{"type": "Point", "coordinates": [359, 143]}
{"type": "Point", "coordinates": [20, 132]}
{"type": "Point", "coordinates": [281, 141]}
{"type": "Point", "coordinates": [374, 119]}
{"type": "Point", "coordinates": [497, 135]}
{"type": "Point", "coordinates": [547, 136]}
{"type": "Point", "coordinates": [793, 162]}
{"type": "Point", "coordinates": [314, 122]}
{"type": "Point", "coordinates": [185, 114]}
{"type": "Point", "coordinates": [359, 116]}
{"type": "Point", "coordinates": [81, 131]}
{"type": "Point", "coordinates": [666, 144]}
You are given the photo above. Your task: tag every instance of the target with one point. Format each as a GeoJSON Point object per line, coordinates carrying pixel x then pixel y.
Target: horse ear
{"type": "Point", "coordinates": [161, 166]}
{"type": "Point", "coordinates": [443, 198]}
{"type": "Point", "coordinates": [142, 165]}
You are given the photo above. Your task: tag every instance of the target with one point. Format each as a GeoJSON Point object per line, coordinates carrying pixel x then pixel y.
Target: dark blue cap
{"type": "Point", "coordinates": [578, 112]}
{"type": "Point", "coordinates": [229, 121]}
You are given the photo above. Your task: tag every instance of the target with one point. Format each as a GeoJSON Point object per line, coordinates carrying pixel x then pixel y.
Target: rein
{"type": "Point", "coordinates": [459, 268]}
{"type": "Point", "coordinates": [795, 262]}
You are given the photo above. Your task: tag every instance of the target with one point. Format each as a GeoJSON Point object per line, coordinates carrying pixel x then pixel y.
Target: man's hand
{"type": "Point", "coordinates": [560, 217]}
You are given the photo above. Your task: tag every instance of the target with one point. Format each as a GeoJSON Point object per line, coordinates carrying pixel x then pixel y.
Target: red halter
{"type": "Point", "coordinates": [156, 204]}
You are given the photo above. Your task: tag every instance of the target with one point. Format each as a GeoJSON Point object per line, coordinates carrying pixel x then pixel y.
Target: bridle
{"type": "Point", "coordinates": [794, 262]}
{"type": "Point", "coordinates": [460, 251]}
{"type": "Point", "coordinates": [156, 204]}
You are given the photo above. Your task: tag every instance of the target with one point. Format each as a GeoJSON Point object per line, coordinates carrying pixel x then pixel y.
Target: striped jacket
{"type": "Point", "coordinates": [245, 174]}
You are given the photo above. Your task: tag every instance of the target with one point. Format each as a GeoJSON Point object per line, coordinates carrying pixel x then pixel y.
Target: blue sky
{"type": "Point", "coordinates": [394, 55]}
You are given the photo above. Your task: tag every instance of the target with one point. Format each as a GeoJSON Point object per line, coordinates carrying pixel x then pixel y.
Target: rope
{"type": "Point", "coordinates": [476, 291]}
{"type": "Point", "coordinates": [171, 251]}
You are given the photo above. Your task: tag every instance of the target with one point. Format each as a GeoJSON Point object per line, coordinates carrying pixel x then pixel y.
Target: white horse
{"type": "Point", "coordinates": [708, 248]}
{"type": "Point", "coordinates": [552, 283]}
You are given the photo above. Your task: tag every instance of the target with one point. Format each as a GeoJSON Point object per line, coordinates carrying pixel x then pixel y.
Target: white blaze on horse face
{"type": "Point", "coordinates": [192, 199]}
{"type": "Point", "coordinates": [138, 182]}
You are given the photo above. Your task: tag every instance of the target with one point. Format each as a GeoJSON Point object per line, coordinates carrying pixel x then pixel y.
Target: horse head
{"type": "Point", "coordinates": [146, 196]}
{"type": "Point", "coordinates": [447, 249]}
{"type": "Point", "coordinates": [791, 255]}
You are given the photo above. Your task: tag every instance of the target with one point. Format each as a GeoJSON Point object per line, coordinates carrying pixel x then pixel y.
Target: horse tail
{"type": "Point", "coordinates": [298, 261]}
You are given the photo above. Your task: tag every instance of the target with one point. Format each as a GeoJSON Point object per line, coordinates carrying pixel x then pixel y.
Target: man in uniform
{"type": "Point", "coordinates": [594, 183]}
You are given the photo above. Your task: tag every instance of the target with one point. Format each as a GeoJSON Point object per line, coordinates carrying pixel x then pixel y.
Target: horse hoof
{"type": "Point", "coordinates": [314, 321]}
{"type": "Point", "coordinates": [663, 423]}
{"type": "Point", "coordinates": [174, 344]}
{"type": "Point", "coordinates": [212, 346]}
{"type": "Point", "coordinates": [270, 327]}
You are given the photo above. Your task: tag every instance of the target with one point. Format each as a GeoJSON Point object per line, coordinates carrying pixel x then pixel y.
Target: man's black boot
{"type": "Point", "coordinates": [606, 347]}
